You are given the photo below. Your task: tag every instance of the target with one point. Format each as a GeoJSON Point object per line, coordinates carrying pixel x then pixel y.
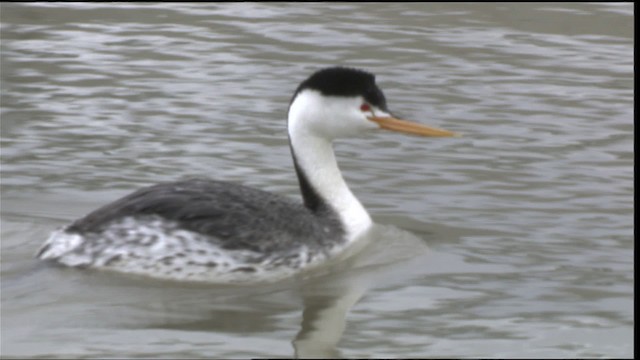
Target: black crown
{"type": "Point", "coordinates": [344, 81]}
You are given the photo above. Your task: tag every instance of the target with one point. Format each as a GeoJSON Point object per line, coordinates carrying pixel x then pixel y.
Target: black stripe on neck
{"type": "Point", "coordinates": [325, 214]}
{"type": "Point", "coordinates": [311, 197]}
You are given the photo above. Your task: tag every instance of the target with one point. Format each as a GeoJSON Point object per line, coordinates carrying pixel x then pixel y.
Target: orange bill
{"type": "Point", "coordinates": [393, 124]}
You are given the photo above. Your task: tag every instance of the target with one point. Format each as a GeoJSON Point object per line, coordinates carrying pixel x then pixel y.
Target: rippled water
{"type": "Point", "coordinates": [522, 229]}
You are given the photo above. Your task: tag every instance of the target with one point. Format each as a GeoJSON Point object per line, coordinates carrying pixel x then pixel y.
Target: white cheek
{"type": "Point", "coordinates": [328, 117]}
{"type": "Point", "coordinates": [353, 123]}
{"type": "Point", "coordinates": [305, 108]}
{"type": "Point", "coordinates": [368, 124]}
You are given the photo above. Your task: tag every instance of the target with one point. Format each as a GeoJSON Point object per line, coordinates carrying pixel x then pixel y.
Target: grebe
{"type": "Point", "coordinates": [215, 231]}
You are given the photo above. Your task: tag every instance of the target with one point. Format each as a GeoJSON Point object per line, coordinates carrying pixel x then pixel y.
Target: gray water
{"type": "Point", "coordinates": [515, 240]}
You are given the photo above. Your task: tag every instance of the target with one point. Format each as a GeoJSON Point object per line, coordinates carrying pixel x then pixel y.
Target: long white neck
{"type": "Point", "coordinates": [314, 121]}
{"type": "Point", "coordinates": [317, 164]}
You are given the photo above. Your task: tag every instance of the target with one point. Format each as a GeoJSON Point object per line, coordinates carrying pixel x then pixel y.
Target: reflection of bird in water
{"type": "Point", "coordinates": [216, 231]}
{"type": "Point", "coordinates": [323, 323]}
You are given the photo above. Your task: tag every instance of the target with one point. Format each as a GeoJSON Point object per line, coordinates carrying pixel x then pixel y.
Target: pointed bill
{"type": "Point", "coordinates": [393, 124]}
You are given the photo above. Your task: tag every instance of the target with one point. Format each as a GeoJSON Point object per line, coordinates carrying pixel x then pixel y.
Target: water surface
{"type": "Point", "coordinates": [522, 229]}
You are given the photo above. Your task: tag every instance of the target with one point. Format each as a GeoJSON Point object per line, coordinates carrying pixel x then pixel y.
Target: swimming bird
{"type": "Point", "coordinates": [217, 231]}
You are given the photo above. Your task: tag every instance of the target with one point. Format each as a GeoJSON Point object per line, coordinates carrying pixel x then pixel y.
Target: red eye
{"type": "Point", "coordinates": [365, 107]}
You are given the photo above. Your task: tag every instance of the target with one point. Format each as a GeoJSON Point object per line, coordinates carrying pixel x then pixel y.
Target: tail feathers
{"type": "Point", "coordinates": [58, 244]}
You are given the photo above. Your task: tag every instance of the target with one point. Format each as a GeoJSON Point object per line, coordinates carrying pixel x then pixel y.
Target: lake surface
{"type": "Point", "coordinates": [515, 240]}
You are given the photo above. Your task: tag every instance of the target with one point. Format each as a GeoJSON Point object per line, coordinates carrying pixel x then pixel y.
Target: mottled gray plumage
{"type": "Point", "coordinates": [233, 216]}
